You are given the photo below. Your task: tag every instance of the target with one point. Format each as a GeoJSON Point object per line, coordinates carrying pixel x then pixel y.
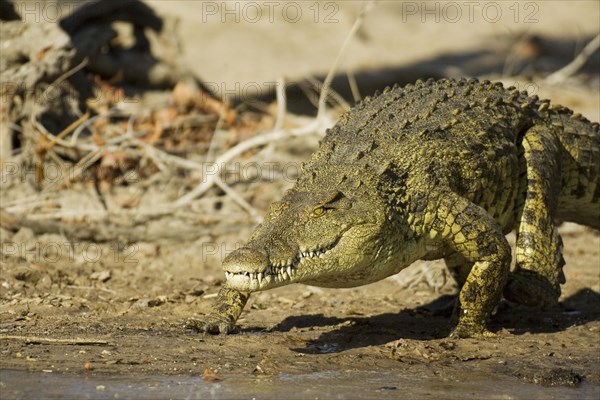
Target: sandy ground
{"type": "Point", "coordinates": [134, 304]}
{"type": "Point", "coordinates": [131, 300]}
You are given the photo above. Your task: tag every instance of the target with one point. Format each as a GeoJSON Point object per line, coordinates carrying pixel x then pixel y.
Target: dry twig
{"type": "Point", "coordinates": [329, 78]}
{"type": "Point", "coordinates": [576, 64]}
{"type": "Point", "coordinates": [331, 93]}
{"type": "Point", "coordinates": [353, 86]}
{"type": "Point", "coordinates": [239, 149]}
{"type": "Point", "coordinates": [42, 340]}
{"type": "Point", "coordinates": [281, 104]}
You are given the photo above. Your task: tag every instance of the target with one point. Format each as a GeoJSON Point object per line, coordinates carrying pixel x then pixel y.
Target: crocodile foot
{"type": "Point", "coordinates": [463, 331]}
{"type": "Point", "coordinates": [531, 289]}
{"type": "Point", "coordinates": [213, 324]}
{"type": "Point", "coordinates": [229, 306]}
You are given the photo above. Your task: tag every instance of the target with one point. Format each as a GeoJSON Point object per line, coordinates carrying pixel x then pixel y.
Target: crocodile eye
{"type": "Point", "coordinates": [319, 211]}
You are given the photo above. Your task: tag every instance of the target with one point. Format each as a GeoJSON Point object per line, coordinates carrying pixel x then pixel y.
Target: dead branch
{"type": "Point", "coordinates": [126, 226]}
{"type": "Point", "coordinates": [576, 64]}
{"type": "Point", "coordinates": [256, 141]}
{"type": "Point", "coordinates": [329, 78]}
{"type": "Point", "coordinates": [43, 340]}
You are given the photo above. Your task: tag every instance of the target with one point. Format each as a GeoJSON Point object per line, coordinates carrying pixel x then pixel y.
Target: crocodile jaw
{"type": "Point", "coordinates": [241, 274]}
{"type": "Point", "coordinates": [357, 258]}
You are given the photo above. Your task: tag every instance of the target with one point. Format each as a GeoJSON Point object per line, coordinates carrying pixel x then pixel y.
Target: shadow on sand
{"type": "Point", "coordinates": [432, 321]}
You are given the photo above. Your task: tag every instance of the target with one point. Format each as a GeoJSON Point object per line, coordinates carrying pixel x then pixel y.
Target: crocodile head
{"type": "Point", "coordinates": [326, 231]}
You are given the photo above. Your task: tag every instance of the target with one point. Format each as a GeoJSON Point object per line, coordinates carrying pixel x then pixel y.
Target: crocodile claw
{"type": "Point", "coordinates": [213, 324]}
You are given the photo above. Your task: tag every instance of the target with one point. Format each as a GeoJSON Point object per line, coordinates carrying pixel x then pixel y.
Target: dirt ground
{"type": "Point", "coordinates": [118, 307]}
{"type": "Point", "coordinates": [132, 306]}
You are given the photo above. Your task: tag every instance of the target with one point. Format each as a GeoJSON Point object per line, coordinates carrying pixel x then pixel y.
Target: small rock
{"type": "Point", "coordinates": [144, 249]}
{"type": "Point", "coordinates": [27, 274]}
{"type": "Point", "coordinates": [158, 301]}
{"type": "Point", "coordinates": [101, 276]}
{"type": "Point", "coordinates": [298, 305]}
{"type": "Point", "coordinates": [144, 303]}
{"type": "Point", "coordinates": [23, 235]}
{"type": "Point", "coordinates": [198, 291]}
{"type": "Point", "coordinates": [258, 370]}
{"type": "Point", "coordinates": [189, 299]}
{"type": "Point", "coordinates": [210, 376]}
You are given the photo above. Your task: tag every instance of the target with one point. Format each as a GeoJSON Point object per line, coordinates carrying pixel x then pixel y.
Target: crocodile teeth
{"type": "Point", "coordinates": [279, 270]}
{"type": "Point", "coordinates": [314, 253]}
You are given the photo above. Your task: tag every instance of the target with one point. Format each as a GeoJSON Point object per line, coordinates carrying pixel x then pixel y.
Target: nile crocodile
{"type": "Point", "coordinates": [438, 169]}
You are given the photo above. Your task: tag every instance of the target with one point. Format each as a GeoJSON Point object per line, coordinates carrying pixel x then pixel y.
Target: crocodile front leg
{"type": "Point", "coordinates": [473, 234]}
{"type": "Point", "coordinates": [229, 306]}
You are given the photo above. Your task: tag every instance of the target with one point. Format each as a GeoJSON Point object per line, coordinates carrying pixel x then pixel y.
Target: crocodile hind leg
{"type": "Point", "coordinates": [471, 232]}
{"type": "Point", "coordinates": [538, 272]}
{"type": "Point", "coordinates": [229, 306]}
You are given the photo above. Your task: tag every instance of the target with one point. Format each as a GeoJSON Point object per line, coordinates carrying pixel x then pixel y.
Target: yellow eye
{"type": "Point", "coordinates": [319, 211]}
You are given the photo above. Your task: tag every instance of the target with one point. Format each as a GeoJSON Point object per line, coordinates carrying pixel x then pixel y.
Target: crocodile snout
{"type": "Point", "coordinates": [246, 259]}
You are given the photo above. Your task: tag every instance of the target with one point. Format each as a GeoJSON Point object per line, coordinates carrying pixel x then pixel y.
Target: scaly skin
{"type": "Point", "coordinates": [436, 170]}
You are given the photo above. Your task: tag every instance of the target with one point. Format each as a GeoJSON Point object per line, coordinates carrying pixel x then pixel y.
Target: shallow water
{"type": "Point", "coordinates": [322, 385]}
